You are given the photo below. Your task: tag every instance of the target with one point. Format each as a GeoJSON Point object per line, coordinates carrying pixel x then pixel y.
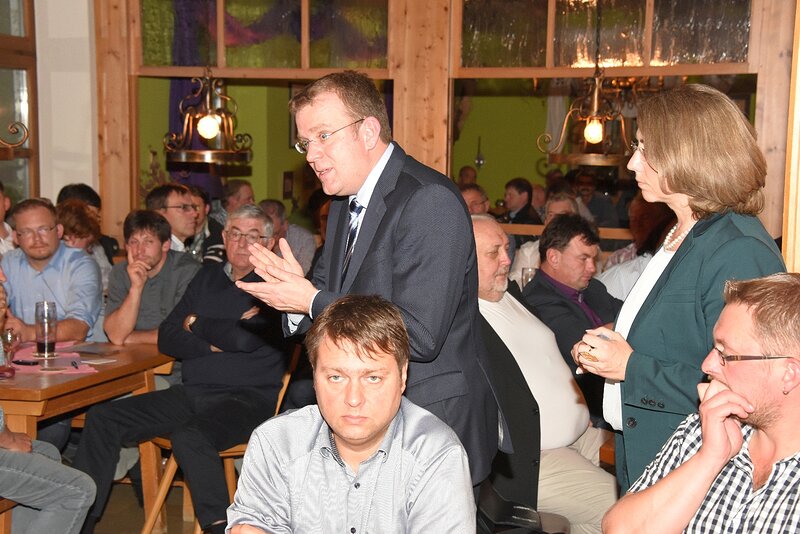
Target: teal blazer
{"type": "Point", "coordinates": [673, 332]}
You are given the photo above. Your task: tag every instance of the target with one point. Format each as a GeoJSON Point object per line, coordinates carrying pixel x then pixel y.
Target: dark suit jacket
{"type": "Point", "coordinates": [568, 322]}
{"type": "Point", "coordinates": [673, 331]}
{"type": "Point", "coordinates": [515, 476]}
{"type": "Point", "coordinates": [415, 248]}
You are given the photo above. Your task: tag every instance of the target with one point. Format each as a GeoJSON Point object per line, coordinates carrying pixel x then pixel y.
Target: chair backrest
{"type": "Point", "coordinates": [287, 376]}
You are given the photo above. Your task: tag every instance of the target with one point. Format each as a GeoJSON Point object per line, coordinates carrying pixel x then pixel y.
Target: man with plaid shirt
{"type": "Point", "coordinates": [735, 466]}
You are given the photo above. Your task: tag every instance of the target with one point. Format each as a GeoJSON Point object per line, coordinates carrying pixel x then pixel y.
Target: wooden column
{"type": "Point", "coordinates": [773, 63]}
{"type": "Point", "coordinates": [791, 223]}
{"type": "Point", "coordinates": [116, 112]}
{"type": "Point", "coordinates": [420, 46]}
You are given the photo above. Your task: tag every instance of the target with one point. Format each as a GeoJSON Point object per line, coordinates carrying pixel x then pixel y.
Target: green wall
{"type": "Point", "coordinates": [263, 113]}
{"type": "Point", "coordinates": [508, 127]}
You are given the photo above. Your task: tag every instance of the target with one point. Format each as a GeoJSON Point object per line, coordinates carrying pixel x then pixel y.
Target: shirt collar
{"type": "Point", "coordinates": [176, 244]}
{"type": "Point", "coordinates": [568, 291]}
{"type": "Point", "coordinates": [365, 192]}
{"type": "Point", "coordinates": [327, 445]}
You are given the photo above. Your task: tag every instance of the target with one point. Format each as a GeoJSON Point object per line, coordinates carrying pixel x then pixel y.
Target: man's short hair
{"type": "Point", "coordinates": [561, 196]}
{"type": "Point", "coordinates": [368, 323]}
{"type": "Point", "coordinates": [81, 192]}
{"type": "Point", "coordinates": [157, 198]}
{"type": "Point", "coordinates": [251, 211]}
{"type": "Point", "coordinates": [146, 221]}
{"type": "Point", "coordinates": [270, 204]}
{"type": "Point", "coordinates": [357, 92]}
{"type": "Point", "coordinates": [200, 193]}
{"type": "Point", "coordinates": [521, 185]}
{"type": "Point", "coordinates": [231, 189]}
{"type": "Point", "coordinates": [29, 204]}
{"type": "Point", "coordinates": [562, 229]}
{"type": "Point", "coordinates": [74, 215]}
{"type": "Point", "coordinates": [474, 187]}
{"type": "Point", "coordinates": [774, 302]}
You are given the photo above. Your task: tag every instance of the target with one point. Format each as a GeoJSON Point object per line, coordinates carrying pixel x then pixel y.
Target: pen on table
{"type": "Point", "coordinates": [74, 364]}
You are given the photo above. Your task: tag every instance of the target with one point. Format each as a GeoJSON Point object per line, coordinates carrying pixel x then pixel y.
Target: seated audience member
{"type": "Point", "coordinates": [649, 224]}
{"type": "Point", "coordinates": [478, 203]}
{"type": "Point", "coordinates": [467, 175]}
{"type": "Point", "coordinates": [364, 459]}
{"type": "Point", "coordinates": [44, 268]}
{"type": "Point", "coordinates": [82, 230]}
{"type": "Point", "coordinates": [174, 203]}
{"type": "Point", "coordinates": [89, 196]}
{"type": "Point", "coordinates": [518, 201]}
{"type": "Point", "coordinates": [233, 355]}
{"type": "Point", "coordinates": [603, 210]}
{"type": "Point", "coordinates": [567, 299]}
{"type": "Point", "coordinates": [732, 467]}
{"type": "Point", "coordinates": [530, 375]}
{"type": "Point", "coordinates": [475, 198]}
{"type": "Point", "coordinates": [564, 185]}
{"type": "Point", "coordinates": [6, 238]}
{"type": "Point", "coordinates": [145, 288]}
{"type": "Point", "coordinates": [235, 194]}
{"type": "Point", "coordinates": [300, 240]}
{"type": "Point", "coordinates": [206, 245]}
{"type": "Point", "coordinates": [538, 200]}
{"type": "Point", "coordinates": [528, 256]}
{"type": "Point", "coordinates": [51, 497]}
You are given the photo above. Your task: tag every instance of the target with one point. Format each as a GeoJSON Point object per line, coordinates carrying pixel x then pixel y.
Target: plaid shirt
{"type": "Point", "coordinates": [731, 504]}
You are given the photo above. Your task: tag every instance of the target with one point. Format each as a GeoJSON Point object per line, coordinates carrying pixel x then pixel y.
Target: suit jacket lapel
{"type": "Point", "coordinates": [337, 240]}
{"type": "Point", "coordinates": [374, 215]}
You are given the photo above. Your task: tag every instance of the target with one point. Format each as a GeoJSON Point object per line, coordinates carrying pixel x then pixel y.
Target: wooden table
{"type": "Point", "coordinates": [32, 397]}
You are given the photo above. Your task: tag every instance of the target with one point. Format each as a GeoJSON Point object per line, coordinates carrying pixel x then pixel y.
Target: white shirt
{"type": "Point", "coordinates": [564, 416]}
{"type": "Point", "coordinates": [6, 243]}
{"type": "Point", "coordinates": [612, 392]}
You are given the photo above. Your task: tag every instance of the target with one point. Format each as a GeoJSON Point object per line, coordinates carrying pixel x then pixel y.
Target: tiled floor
{"type": "Point", "coordinates": [124, 516]}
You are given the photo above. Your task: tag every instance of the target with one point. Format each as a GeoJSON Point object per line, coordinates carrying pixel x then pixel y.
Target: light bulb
{"type": "Point", "coordinates": [208, 126]}
{"type": "Point", "coordinates": [593, 133]}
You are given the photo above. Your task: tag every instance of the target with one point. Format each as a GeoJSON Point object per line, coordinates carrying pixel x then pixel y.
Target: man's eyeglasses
{"type": "Point", "coordinates": [302, 144]}
{"type": "Point", "coordinates": [724, 358]}
{"type": "Point", "coordinates": [250, 237]}
{"type": "Point", "coordinates": [186, 208]}
{"type": "Point", "coordinates": [42, 231]}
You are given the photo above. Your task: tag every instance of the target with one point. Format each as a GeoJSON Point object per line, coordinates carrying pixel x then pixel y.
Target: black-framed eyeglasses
{"type": "Point", "coordinates": [302, 144]}
{"type": "Point", "coordinates": [250, 237]}
{"type": "Point", "coordinates": [724, 358]}
{"type": "Point", "coordinates": [186, 208]}
{"type": "Point", "coordinates": [42, 231]}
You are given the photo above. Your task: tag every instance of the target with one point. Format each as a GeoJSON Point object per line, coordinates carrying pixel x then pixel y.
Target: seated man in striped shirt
{"type": "Point", "coordinates": [365, 459]}
{"type": "Point", "coordinates": [735, 466]}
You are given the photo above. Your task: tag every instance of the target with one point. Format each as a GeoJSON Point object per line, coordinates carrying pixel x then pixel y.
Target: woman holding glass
{"type": "Point", "coordinates": [697, 153]}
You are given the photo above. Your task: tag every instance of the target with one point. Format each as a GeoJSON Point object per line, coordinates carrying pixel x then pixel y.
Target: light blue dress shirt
{"type": "Point", "coordinates": [293, 480]}
{"type": "Point", "coordinates": [71, 279]}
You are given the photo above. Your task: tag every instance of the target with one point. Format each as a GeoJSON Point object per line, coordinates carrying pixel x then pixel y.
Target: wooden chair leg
{"type": "Point", "coordinates": [230, 476]}
{"type": "Point", "coordinates": [188, 507]}
{"type": "Point", "coordinates": [161, 495]}
{"type": "Point", "coordinates": [197, 529]}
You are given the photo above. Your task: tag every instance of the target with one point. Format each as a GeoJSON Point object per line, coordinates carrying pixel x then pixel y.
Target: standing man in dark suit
{"type": "Point", "coordinates": [566, 297]}
{"type": "Point", "coordinates": [400, 230]}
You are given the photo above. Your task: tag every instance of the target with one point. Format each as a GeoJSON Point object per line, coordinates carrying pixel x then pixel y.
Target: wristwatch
{"type": "Point", "coordinates": [189, 321]}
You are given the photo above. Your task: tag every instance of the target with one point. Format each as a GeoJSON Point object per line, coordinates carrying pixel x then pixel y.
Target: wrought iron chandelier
{"type": "Point", "coordinates": [599, 106]}
{"type": "Point", "coordinates": [7, 147]}
{"type": "Point", "coordinates": [208, 134]}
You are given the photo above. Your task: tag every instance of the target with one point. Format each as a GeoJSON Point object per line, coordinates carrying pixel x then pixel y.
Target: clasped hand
{"type": "Point", "coordinates": [603, 352]}
{"type": "Point", "coordinates": [284, 286]}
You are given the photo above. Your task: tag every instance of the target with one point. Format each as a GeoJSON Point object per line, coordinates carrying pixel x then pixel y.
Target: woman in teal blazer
{"type": "Point", "coordinates": [696, 152]}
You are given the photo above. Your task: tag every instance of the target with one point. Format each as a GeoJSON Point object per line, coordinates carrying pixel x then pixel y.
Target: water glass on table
{"type": "Point", "coordinates": [10, 340]}
{"type": "Point", "coordinates": [527, 275]}
{"type": "Point", "coordinates": [45, 324]}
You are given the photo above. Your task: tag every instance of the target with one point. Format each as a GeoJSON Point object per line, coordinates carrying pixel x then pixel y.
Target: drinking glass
{"type": "Point", "coordinates": [45, 324]}
{"type": "Point", "coordinates": [527, 275]}
{"type": "Point", "coordinates": [10, 341]}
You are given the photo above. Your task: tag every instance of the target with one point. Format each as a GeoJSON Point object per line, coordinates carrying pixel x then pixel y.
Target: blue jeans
{"type": "Point", "coordinates": [52, 497]}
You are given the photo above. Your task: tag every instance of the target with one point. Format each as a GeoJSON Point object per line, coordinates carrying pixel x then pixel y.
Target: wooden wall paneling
{"type": "Point", "coordinates": [791, 217]}
{"type": "Point", "coordinates": [418, 63]}
{"type": "Point", "coordinates": [116, 112]}
{"type": "Point", "coordinates": [772, 101]}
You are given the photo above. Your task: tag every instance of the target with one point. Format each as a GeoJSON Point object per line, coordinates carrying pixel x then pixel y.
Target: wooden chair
{"type": "Point", "coordinates": [228, 457]}
{"type": "Point", "coordinates": [5, 515]}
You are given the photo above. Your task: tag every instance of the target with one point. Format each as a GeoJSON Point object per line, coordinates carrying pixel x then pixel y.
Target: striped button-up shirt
{"type": "Point", "coordinates": [732, 505]}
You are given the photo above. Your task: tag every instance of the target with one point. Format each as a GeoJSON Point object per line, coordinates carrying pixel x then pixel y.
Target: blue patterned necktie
{"type": "Point", "coordinates": [355, 211]}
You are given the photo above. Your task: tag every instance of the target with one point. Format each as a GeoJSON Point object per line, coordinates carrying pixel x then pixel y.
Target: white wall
{"type": "Point", "coordinates": [67, 94]}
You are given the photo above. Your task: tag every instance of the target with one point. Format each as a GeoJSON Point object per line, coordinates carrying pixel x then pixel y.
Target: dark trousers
{"type": "Point", "coordinates": [200, 421]}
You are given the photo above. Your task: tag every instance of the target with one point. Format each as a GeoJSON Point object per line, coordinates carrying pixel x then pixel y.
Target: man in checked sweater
{"type": "Point", "coordinates": [735, 466]}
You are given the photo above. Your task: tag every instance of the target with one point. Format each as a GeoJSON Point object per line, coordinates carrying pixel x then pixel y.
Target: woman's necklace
{"type": "Point", "coordinates": [669, 242]}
